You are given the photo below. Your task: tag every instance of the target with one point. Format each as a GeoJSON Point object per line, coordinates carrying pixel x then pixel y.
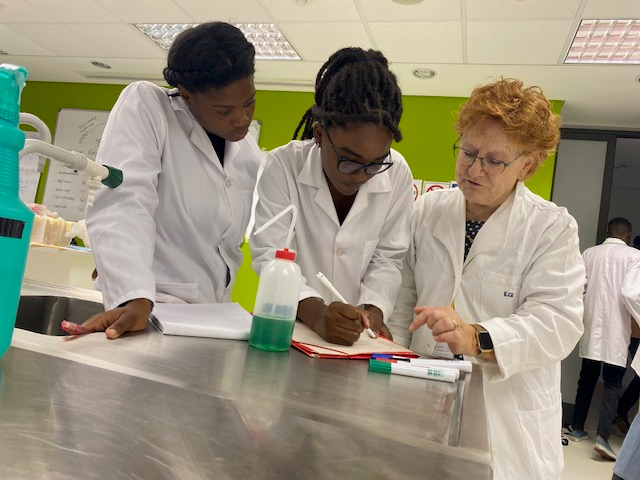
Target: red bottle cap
{"type": "Point", "coordinates": [286, 254]}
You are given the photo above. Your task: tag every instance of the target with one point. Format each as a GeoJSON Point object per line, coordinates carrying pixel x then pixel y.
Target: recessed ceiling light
{"type": "Point", "coordinates": [269, 42]}
{"type": "Point", "coordinates": [606, 41]}
{"type": "Point", "coordinates": [100, 64]}
{"type": "Point", "coordinates": [407, 2]}
{"type": "Point", "coordinates": [424, 73]}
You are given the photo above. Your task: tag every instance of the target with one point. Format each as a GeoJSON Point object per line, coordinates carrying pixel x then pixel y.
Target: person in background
{"type": "Point", "coordinates": [630, 396]}
{"type": "Point", "coordinates": [627, 466]}
{"type": "Point", "coordinates": [353, 193]}
{"type": "Point", "coordinates": [494, 273]}
{"type": "Point", "coordinates": [612, 277]}
{"type": "Point", "coordinates": [172, 231]}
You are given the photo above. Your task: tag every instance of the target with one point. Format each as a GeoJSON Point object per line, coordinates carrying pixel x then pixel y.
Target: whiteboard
{"type": "Point", "coordinates": [65, 190]}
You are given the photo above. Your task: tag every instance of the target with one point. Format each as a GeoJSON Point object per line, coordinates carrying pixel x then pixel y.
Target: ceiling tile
{"type": "Point", "coordinates": [232, 11]}
{"type": "Point", "coordinates": [517, 42]}
{"type": "Point", "coordinates": [146, 11]}
{"type": "Point", "coordinates": [419, 42]}
{"type": "Point", "coordinates": [15, 44]}
{"type": "Point", "coordinates": [317, 41]}
{"type": "Point", "coordinates": [388, 11]}
{"type": "Point", "coordinates": [120, 40]}
{"type": "Point", "coordinates": [607, 9]}
{"type": "Point", "coordinates": [530, 10]}
{"type": "Point", "coordinates": [313, 11]}
{"type": "Point", "coordinates": [72, 11]}
{"type": "Point", "coordinates": [59, 39]}
{"type": "Point", "coordinates": [17, 11]}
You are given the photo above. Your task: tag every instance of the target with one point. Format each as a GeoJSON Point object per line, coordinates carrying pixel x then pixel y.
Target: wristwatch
{"type": "Point", "coordinates": [485, 344]}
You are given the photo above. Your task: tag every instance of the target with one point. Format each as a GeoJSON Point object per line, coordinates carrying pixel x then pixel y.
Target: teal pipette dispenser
{"type": "Point", "coordinates": [16, 218]}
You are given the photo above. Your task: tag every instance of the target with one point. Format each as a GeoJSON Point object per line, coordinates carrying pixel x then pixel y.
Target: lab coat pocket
{"type": "Point", "coordinates": [541, 434]}
{"type": "Point", "coordinates": [367, 253]}
{"type": "Point", "coordinates": [500, 294]}
{"type": "Point", "coordinates": [177, 293]}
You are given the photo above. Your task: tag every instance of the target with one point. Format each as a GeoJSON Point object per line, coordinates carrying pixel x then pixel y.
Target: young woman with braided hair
{"type": "Point", "coordinates": [172, 231]}
{"type": "Point", "coordinates": [353, 194]}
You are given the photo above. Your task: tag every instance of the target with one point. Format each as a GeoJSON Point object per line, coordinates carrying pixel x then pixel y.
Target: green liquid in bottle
{"type": "Point", "coordinates": [271, 334]}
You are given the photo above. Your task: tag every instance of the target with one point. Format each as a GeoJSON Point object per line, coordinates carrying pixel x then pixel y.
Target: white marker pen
{"type": "Point", "coordinates": [402, 368]}
{"type": "Point", "coordinates": [325, 281]}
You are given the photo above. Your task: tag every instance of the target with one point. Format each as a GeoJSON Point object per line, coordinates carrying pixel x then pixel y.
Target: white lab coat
{"type": "Point", "coordinates": [176, 223]}
{"type": "Point", "coordinates": [612, 292]}
{"type": "Point", "coordinates": [363, 256]}
{"type": "Point", "coordinates": [522, 280]}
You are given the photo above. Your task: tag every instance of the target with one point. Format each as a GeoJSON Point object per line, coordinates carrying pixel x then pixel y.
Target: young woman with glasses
{"type": "Point", "coordinates": [353, 193]}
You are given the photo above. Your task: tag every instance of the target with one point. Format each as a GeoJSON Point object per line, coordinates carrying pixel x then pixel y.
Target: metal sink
{"type": "Point", "coordinates": [44, 314]}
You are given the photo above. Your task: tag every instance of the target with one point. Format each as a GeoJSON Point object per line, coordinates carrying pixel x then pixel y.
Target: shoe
{"type": "Point", "coordinates": [622, 424]}
{"type": "Point", "coordinates": [577, 435]}
{"type": "Point", "coordinates": [604, 449]}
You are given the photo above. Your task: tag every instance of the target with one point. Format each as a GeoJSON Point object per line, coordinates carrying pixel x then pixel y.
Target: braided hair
{"type": "Point", "coordinates": [212, 54]}
{"type": "Point", "coordinates": [354, 86]}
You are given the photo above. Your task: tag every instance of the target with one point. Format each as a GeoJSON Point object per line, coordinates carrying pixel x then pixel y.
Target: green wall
{"type": "Point", "coordinates": [427, 127]}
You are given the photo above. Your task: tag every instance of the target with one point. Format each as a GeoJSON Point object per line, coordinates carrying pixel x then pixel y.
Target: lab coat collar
{"type": "Point", "coordinates": [450, 229]}
{"type": "Point", "coordinates": [199, 138]}
{"type": "Point", "coordinates": [494, 233]}
{"type": "Point", "coordinates": [615, 241]}
{"type": "Point", "coordinates": [313, 175]}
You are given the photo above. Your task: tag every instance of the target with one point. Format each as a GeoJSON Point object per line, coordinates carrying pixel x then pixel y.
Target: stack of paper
{"type": "Point", "coordinates": [216, 320]}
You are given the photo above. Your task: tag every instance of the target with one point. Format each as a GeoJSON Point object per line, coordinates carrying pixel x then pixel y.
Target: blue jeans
{"type": "Point", "coordinates": [627, 465]}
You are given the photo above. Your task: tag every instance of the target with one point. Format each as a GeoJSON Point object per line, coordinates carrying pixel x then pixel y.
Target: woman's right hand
{"type": "Point", "coordinates": [131, 317]}
{"type": "Point", "coordinates": [337, 323]}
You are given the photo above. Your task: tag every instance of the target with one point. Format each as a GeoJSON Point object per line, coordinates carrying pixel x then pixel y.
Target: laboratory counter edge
{"type": "Point", "coordinates": [169, 407]}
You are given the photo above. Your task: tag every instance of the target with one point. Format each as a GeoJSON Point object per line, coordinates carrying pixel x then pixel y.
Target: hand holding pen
{"type": "Point", "coordinates": [363, 315]}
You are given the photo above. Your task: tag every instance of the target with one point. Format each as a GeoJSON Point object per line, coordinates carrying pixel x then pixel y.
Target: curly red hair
{"type": "Point", "coordinates": [524, 113]}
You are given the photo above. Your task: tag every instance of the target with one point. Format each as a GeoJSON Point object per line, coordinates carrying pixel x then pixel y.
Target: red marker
{"type": "Point", "coordinates": [74, 328]}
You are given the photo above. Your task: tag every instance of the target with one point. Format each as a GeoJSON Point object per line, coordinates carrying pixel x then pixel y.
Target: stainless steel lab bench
{"type": "Point", "coordinates": [149, 406]}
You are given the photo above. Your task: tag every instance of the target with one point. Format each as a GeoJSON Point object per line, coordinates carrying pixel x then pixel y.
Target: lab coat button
{"type": "Point", "coordinates": [227, 183]}
{"type": "Point", "coordinates": [340, 252]}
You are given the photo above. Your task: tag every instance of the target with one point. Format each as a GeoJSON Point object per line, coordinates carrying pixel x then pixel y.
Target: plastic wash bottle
{"type": "Point", "coordinates": [276, 306]}
{"type": "Point", "coordinates": [16, 219]}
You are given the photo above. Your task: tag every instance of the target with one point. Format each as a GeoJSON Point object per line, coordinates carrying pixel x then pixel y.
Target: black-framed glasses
{"type": "Point", "coordinates": [490, 165]}
{"type": "Point", "coordinates": [346, 165]}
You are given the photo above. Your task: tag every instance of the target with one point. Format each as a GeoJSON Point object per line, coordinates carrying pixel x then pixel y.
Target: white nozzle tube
{"type": "Point", "coordinates": [38, 124]}
{"type": "Point", "coordinates": [74, 160]}
{"type": "Point", "coordinates": [294, 212]}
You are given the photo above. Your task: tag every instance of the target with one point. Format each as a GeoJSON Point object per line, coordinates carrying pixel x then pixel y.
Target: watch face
{"type": "Point", "coordinates": [484, 341]}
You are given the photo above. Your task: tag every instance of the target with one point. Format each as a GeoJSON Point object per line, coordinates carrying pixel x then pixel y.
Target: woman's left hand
{"type": "Point", "coordinates": [447, 326]}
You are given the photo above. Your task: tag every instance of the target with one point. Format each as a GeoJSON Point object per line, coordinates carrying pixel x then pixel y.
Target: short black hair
{"type": "Point", "coordinates": [636, 241]}
{"type": "Point", "coordinates": [354, 86]}
{"type": "Point", "coordinates": [209, 55]}
{"type": "Point", "coordinates": [619, 227]}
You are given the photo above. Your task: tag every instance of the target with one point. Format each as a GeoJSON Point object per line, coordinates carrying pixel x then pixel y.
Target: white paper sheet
{"type": "Point", "coordinates": [216, 320]}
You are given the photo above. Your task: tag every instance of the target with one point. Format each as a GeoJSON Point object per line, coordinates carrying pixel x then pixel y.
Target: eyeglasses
{"type": "Point", "coordinates": [348, 166]}
{"type": "Point", "coordinates": [490, 165]}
